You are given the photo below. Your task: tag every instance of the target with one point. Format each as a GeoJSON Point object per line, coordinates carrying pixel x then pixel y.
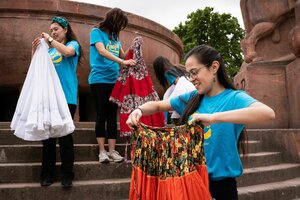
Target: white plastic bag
{"type": "Point", "coordinates": [42, 111]}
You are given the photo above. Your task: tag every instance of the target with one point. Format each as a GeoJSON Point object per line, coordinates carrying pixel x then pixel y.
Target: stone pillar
{"type": "Point", "coordinates": [266, 82]}
{"type": "Point", "coordinates": [293, 73]}
{"type": "Point", "coordinates": [271, 66]}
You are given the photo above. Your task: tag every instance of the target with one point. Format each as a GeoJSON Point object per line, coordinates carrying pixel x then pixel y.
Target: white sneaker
{"type": "Point", "coordinates": [115, 156]}
{"type": "Point", "coordinates": [103, 157]}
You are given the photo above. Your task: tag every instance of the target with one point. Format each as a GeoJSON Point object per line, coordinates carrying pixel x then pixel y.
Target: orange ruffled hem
{"type": "Point", "coordinates": [189, 187]}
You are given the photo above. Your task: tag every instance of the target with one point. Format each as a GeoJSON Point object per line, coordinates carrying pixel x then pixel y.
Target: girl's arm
{"type": "Point", "coordinates": [66, 51]}
{"type": "Point", "coordinates": [122, 53]}
{"type": "Point", "coordinates": [148, 108]}
{"type": "Point", "coordinates": [254, 114]}
{"type": "Point", "coordinates": [103, 52]}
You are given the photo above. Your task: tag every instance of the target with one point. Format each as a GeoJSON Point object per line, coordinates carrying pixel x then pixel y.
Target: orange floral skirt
{"type": "Point", "coordinates": [168, 163]}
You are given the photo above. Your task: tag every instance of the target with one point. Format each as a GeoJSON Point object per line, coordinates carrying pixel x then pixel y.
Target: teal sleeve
{"type": "Point", "coordinates": [75, 45]}
{"type": "Point", "coordinates": [243, 100]}
{"type": "Point", "coordinates": [96, 35]}
{"type": "Point", "coordinates": [178, 103]}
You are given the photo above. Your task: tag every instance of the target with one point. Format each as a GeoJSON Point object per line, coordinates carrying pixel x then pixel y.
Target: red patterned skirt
{"type": "Point", "coordinates": [132, 89]}
{"type": "Point", "coordinates": [168, 164]}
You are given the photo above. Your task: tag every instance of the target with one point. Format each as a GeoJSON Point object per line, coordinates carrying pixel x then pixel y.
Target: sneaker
{"type": "Point", "coordinates": [46, 180]}
{"type": "Point", "coordinates": [115, 156]}
{"type": "Point", "coordinates": [103, 157]}
{"type": "Point", "coordinates": [66, 183]}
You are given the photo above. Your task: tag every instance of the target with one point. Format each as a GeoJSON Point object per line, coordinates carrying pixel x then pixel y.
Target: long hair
{"type": "Point", "coordinates": [162, 65]}
{"type": "Point", "coordinates": [70, 35]}
{"type": "Point", "coordinates": [206, 55]}
{"type": "Point", "coordinates": [114, 21]}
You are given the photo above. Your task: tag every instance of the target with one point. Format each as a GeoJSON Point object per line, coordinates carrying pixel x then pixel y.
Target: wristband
{"type": "Point", "coordinates": [140, 110]}
{"type": "Point", "coordinates": [50, 40]}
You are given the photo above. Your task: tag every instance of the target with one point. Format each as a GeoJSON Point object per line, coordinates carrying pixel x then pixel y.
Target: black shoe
{"type": "Point", "coordinates": [66, 183]}
{"type": "Point", "coordinates": [46, 181]}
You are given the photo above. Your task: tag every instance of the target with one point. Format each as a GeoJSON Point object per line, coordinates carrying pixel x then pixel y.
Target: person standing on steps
{"type": "Point", "coordinates": [65, 52]}
{"type": "Point", "coordinates": [106, 54]}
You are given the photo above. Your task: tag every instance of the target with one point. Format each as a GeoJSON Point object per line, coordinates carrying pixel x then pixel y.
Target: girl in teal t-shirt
{"type": "Point", "coordinates": [106, 54]}
{"type": "Point", "coordinates": [65, 53]}
{"type": "Point", "coordinates": [223, 111]}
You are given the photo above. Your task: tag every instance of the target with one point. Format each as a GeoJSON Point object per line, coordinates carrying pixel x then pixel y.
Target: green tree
{"type": "Point", "coordinates": [221, 31]}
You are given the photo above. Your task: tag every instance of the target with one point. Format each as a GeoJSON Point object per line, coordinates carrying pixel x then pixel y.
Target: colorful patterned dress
{"type": "Point", "coordinates": [134, 88]}
{"type": "Point", "coordinates": [169, 163]}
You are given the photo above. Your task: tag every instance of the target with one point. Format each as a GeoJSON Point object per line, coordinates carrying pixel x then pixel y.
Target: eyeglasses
{"type": "Point", "coordinates": [193, 73]}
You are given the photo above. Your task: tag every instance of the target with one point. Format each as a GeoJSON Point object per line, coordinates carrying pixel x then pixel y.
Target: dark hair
{"type": "Point", "coordinates": [206, 55]}
{"type": "Point", "coordinates": [70, 35]}
{"type": "Point", "coordinates": [162, 65]}
{"type": "Point", "coordinates": [115, 20]}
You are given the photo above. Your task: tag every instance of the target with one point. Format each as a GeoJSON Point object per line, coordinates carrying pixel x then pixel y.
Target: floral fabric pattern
{"type": "Point", "coordinates": [168, 163]}
{"type": "Point", "coordinates": [168, 152]}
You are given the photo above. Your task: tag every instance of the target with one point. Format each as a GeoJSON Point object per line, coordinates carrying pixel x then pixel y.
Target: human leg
{"type": "Point", "coordinates": [67, 154]}
{"type": "Point", "coordinates": [101, 98]}
{"type": "Point", "coordinates": [225, 189]}
{"type": "Point", "coordinates": [48, 161]}
{"type": "Point", "coordinates": [112, 129]}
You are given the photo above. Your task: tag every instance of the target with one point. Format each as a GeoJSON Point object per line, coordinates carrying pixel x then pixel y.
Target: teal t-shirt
{"type": "Point", "coordinates": [220, 140]}
{"type": "Point", "coordinates": [103, 70]}
{"type": "Point", "coordinates": [66, 71]}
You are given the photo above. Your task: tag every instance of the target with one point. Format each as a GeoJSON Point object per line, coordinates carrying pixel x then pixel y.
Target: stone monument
{"type": "Point", "coordinates": [271, 50]}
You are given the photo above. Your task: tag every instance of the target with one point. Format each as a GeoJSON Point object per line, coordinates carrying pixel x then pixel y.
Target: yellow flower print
{"type": "Point", "coordinates": [138, 152]}
{"type": "Point", "coordinates": [192, 131]}
{"type": "Point", "coordinates": [172, 132]}
{"type": "Point", "coordinates": [186, 170]}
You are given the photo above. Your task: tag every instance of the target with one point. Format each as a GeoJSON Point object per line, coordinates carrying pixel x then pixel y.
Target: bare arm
{"type": "Point", "coordinates": [148, 108]}
{"type": "Point", "coordinates": [103, 52]}
{"type": "Point", "coordinates": [254, 114]}
{"type": "Point", "coordinates": [35, 43]}
{"type": "Point", "coordinates": [61, 48]}
{"type": "Point", "coordinates": [122, 53]}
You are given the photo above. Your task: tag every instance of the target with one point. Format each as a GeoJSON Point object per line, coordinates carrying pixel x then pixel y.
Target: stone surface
{"type": "Point", "coordinates": [267, 24]}
{"type": "Point", "coordinates": [22, 21]}
{"type": "Point", "coordinates": [266, 82]}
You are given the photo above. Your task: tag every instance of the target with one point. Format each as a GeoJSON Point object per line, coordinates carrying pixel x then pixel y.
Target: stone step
{"type": "Point", "coordinates": [281, 190]}
{"type": "Point", "coordinates": [5, 125]}
{"type": "Point", "coordinates": [80, 135]}
{"type": "Point", "coordinates": [106, 189]}
{"type": "Point", "coordinates": [33, 152]}
{"type": "Point", "coordinates": [88, 170]}
{"type": "Point", "coordinates": [257, 134]}
{"type": "Point", "coordinates": [89, 152]}
{"type": "Point", "coordinates": [267, 174]}
{"type": "Point", "coordinates": [253, 146]}
{"type": "Point", "coordinates": [87, 136]}
{"type": "Point", "coordinates": [262, 159]}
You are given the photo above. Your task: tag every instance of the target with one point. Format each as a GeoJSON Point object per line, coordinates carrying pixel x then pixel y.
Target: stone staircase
{"type": "Point", "coordinates": [268, 173]}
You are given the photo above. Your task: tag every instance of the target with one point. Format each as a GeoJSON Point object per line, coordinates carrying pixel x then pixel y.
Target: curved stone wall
{"type": "Point", "coordinates": [22, 21]}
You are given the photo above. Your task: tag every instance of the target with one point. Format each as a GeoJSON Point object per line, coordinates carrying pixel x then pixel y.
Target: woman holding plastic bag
{"type": "Point", "coordinates": [65, 53]}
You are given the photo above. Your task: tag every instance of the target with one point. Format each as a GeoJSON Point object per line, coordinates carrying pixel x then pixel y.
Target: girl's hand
{"type": "Point", "coordinates": [35, 44]}
{"type": "Point", "coordinates": [205, 119]}
{"type": "Point", "coordinates": [134, 118]}
{"type": "Point", "coordinates": [130, 62]}
{"type": "Point", "coordinates": [45, 35]}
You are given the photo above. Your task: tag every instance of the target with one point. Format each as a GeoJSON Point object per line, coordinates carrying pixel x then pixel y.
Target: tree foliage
{"type": "Point", "coordinates": [221, 31]}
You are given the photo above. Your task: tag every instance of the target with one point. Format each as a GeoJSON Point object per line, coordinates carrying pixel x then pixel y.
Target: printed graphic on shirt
{"type": "Point", "coordinates": [114, 48]}
{"type": "Point", "coordinates": [56, 57]}
{"type": "Point", "coordinates": [207, 131]}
